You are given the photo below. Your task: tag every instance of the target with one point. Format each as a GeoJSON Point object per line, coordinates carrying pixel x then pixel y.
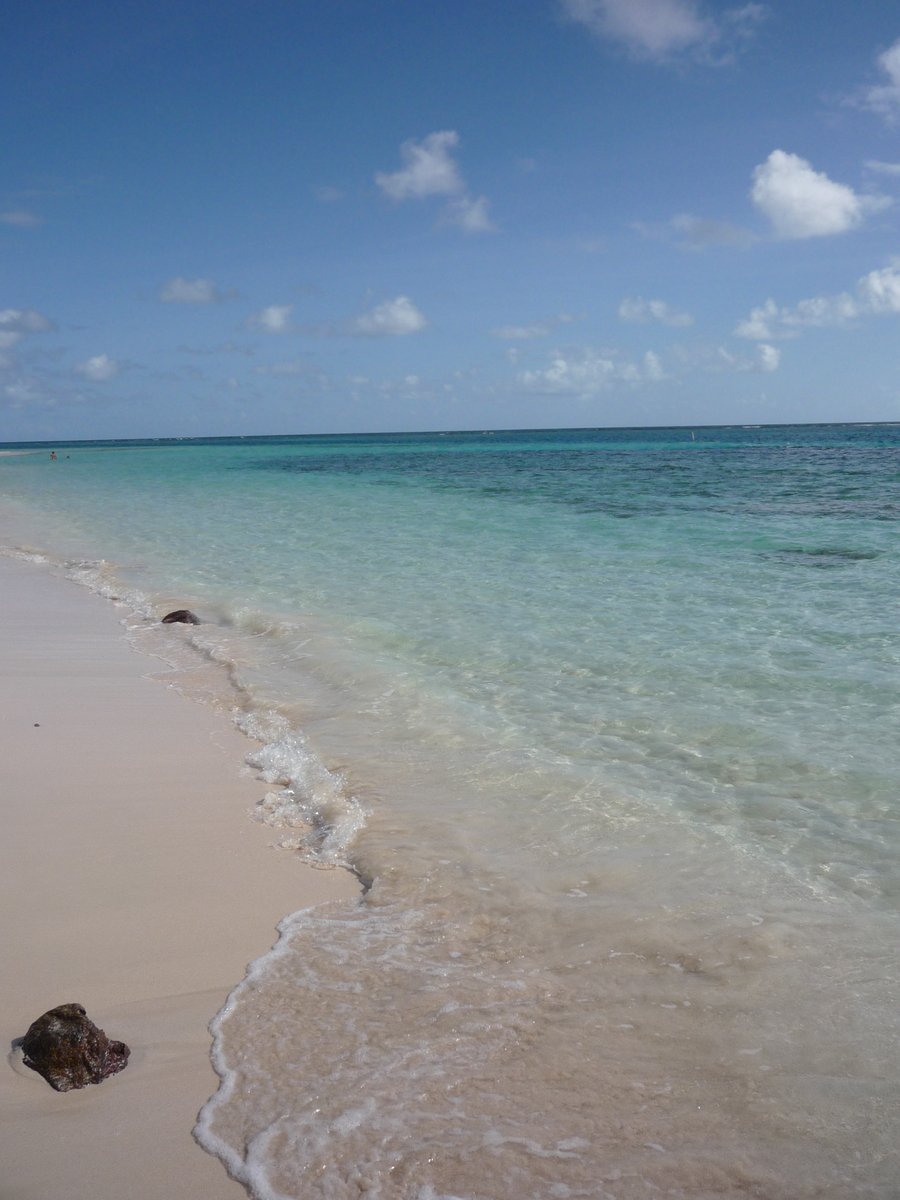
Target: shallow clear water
{"type": "Point", "coordinates": [606, 723]}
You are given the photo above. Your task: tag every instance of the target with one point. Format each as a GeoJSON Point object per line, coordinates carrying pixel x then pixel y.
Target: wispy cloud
{"type": "Point", "coordinates": [276, 318]}
{"type": "Point", "coordinates": [635, 308]}
{"type": "Point", "coordinates": [662, 30]}
{"type": "Point", "coordinates": [190, 291]}
{"type": "Point", "coordinates": [537, 329]}
{"type": "Point", "coordinates": [326, 194]}
{"type": "Point", "coordinates": [429, 169]}
{"type": "Point", "coordinates": [291, 367]}
{"type": "Point", "coordinates": [801, 202]}
{"type": "Point", "coordinates": [17, 323]}
{"type": "Point", "coordinates": [393, 318]}
{"type": "Point", "coordinates": [21, 218]}
{"type": "Point", "coordinates": [882, 168]}
{"type": "Point", "coordinates": [98, 369]}
{"type": "Point", "coordinates": [696, 233]}
{"type": "Point", "coordinates": [470, 214]}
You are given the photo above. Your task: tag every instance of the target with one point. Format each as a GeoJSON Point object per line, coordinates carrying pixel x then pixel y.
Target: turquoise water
{"type": "Point", "coordinates": [605, 721]}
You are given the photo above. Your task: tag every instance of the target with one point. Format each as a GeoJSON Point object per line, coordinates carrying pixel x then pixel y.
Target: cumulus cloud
{"type": "Point", "coordinates": [16, 323]}
{"type": "Point", "coordinates": [769, 321]}
{"type": "Point", "coordinates": [658, 30]}
{"type": "Point", "coordinates": [21, 218]}
{"type": "Point", "coordinates": [190, 291]}
{"type": "Point", "coordinates": [274, 319]}
{"type": "Point", "coordinates": [884, 98]}
{"type": "Point", "coordinates": [98, 369]}
{"type": "Point", "coordinates": [586, 373]}
{"type": "Point", "coordinates": [879, 291]}
{"type": "Point", "coordinates": [429, 169]}
{"type": "Point", "coordinates": [801, 202]}
{"type": "Point", "coordinates": [392, 318]}
{"type": "Point", "coordinates": [876, 294]}
{"type": "Point", "coordinates": [635, 308]}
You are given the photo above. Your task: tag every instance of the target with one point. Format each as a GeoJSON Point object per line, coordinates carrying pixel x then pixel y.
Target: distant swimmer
{"type": "Point", "coordinates": [53, 456]}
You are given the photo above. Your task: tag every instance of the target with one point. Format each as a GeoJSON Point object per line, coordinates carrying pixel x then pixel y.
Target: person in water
{"type": "Point", "coordinates": [53, 456]}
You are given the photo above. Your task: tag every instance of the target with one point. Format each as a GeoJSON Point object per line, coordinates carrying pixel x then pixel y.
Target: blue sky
{"type": "Point", "coordinates": [278, 216]}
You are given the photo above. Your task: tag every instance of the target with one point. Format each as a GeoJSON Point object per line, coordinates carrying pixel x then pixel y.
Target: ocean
{"type": "Point", "coordinates": [606, 724]}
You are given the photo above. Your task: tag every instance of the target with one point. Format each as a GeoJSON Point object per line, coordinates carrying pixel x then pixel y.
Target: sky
{"type": "Point", "coordinates": [287, 216]}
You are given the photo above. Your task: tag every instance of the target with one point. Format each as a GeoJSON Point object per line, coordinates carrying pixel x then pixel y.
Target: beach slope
{"type": "Point", "coordinates": [131, 881]}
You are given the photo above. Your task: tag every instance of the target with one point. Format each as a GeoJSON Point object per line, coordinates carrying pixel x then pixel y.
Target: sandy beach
{"type": "Point", "coordinates": [133, 882]}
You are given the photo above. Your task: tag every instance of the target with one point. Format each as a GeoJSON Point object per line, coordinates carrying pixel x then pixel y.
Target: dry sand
{"type": "Point", "coordinates": [132, 881]}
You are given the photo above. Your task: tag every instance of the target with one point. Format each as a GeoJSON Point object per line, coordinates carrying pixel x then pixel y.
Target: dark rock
{"type": "Point", "coordinates": [181, 616]}
{"type": "Point", "coordinates": [70, 1051]}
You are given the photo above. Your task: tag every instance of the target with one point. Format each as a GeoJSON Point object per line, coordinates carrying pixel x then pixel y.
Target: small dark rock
{"type": "Point", "coordinates": [70, 1051]}
{"type": "Point", "coordinates": [181, 616]}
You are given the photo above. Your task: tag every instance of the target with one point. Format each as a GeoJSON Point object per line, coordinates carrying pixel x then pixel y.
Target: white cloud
{"type": "Point", "coordinates": [584, 374]}
{"type": "Point", "coordinates": [884, 98]}
{"type": "Point", "coordinates": [274, 319]}
{"type": "Point", "coordinates": [660, 29]}
{"type": "Point", "coordinates": [15, 323]}
{"type": "Point", "coordinates": [391, 318]}
{"type": "Point", "coordinates": [765, 359]}
{"type": "Point", "coordinates": [19, 393]}
{"type": "Point", "coordinates": [635, 308]}
{"type": "Point", "coordinates": [469, 214]}
{"type": "Point", "coordinates": [190, 291]}
{"type": "Point", "coordinates": [761, 322]}
{"type": "Point", "coordinates": [587, 372]}
{"type": "Point", "coordinates": [428, 169]}
{"type": "Point", "coordinates": [21, 218]}
{"type": "Point", "coordinates": [98, 369]}
{"type": "Point", "coordinates": [802, 203]}
{"type": "Point", "coordinates": [653, 369]}
{"type": "Point", "coordinates": [771, 322]}
{"type": "Point", "coordinates": [877, 294]}
{"type": "Point", "coordinates": [880, 290]}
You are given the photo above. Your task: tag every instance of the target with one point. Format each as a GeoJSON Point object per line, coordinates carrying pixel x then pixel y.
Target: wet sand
{"type": "Point", "coordinates": [133, 881]}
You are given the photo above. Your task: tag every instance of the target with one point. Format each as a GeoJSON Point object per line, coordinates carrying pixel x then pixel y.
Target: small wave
{"type": "Point", "coordinates": [313, 807]}
{"type": "Point", "coordinates": [825, 556]}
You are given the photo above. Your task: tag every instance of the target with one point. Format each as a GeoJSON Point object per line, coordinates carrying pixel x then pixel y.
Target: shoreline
{"type": "Point", "coordinates": [133, 882]}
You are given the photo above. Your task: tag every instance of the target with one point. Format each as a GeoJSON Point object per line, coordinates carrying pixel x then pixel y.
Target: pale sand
{"type": "Point", "coordinates": [133, 881]}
